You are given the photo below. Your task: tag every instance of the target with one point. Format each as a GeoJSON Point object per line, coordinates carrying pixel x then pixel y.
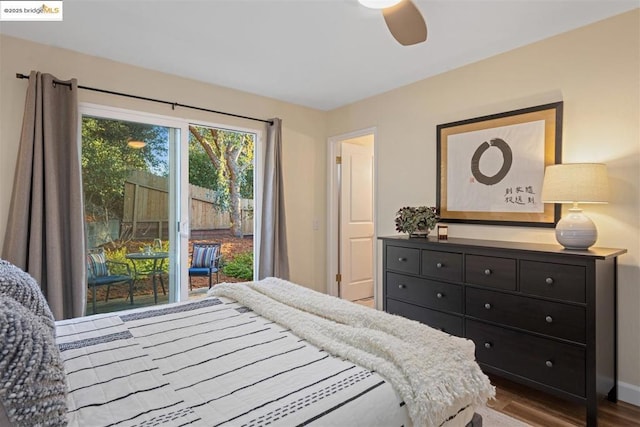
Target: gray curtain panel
{"type": "Point", "coordinates": [274, 259]}
{"type": "Point", "coordinates": [45, 231]}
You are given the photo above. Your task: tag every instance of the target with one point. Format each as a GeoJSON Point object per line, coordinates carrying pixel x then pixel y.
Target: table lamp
{"type": "Point", "coordinates": [576, 183]}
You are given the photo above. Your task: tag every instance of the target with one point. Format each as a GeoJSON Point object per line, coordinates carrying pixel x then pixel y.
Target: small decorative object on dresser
{"type": "Point", "coordinates": [539, 315]}
{"type": "Point", "coordinates": [443, 232]}
{"type": "Point", "coordinates": [416, 221]}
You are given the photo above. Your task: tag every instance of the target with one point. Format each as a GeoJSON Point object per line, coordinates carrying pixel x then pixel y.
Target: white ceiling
{"type": "Point", "coordinates": [317, 53]}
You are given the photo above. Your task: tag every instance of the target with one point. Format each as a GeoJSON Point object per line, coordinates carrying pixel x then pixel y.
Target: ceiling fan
{"type": "Point", "coordinates": [404, 20]}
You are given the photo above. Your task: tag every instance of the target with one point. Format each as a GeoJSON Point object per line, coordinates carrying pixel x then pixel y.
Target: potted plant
{"type": "Point", "coordinates": [416, 221]}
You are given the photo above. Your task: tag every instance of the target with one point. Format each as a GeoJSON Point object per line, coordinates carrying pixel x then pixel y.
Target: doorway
{"type": "Point", "coordinates": [351, 225]}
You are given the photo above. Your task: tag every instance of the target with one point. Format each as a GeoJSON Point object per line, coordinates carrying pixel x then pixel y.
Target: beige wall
{"type": "Point", "coordinates": [595, 71]}
{"type": "Point", "coordinates": [304, 131]}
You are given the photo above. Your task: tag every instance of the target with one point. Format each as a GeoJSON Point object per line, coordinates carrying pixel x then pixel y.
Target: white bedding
{"type": "Point", "coordinates": [215, 362]}
{"type": "Point", "coordinates": [432, 371]}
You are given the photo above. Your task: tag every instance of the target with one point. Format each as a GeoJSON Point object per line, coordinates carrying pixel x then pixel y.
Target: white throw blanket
{"type": "Point", "coordinates": [429, 369]}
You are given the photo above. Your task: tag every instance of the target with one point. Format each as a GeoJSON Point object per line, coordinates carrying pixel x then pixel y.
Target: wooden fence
{"type": "Point", "coordinates": [146, 208]}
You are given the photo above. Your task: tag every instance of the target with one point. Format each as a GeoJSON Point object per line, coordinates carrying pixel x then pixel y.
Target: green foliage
{"type": "Point", "coordinates": [411, 219]}
{"type": "Point", "coordinates": [241, 266]}
{"type": "Point", "coordinates": [116, 255]}
{"type": "Point", "coordinates": [204, 173]}
{"type": "Point", "coordinates": [246, 186]}
{"type": "Point", "coordinates": [120, 255]}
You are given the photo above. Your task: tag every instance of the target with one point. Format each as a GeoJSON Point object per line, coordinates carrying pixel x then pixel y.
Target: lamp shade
{"type": "Point", "coordinates": [576, 183]}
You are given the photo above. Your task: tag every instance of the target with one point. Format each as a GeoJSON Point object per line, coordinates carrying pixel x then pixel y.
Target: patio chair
{"type": "Point", "coordinates": [101, 272]}
{"type": "Point", "coordinates": [205, 260]}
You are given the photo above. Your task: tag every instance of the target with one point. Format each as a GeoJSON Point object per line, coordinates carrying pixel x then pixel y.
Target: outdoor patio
{"type": "Point", "coordinates": [143, 292]}
{"type": "Point", "coordinates": [139, 300]}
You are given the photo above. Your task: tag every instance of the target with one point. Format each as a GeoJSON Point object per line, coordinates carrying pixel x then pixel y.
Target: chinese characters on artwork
{"type": "Point", "coordinates": [520, 195]}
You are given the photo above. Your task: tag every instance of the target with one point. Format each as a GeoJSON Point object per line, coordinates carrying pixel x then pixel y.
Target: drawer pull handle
{"type": "Point", "coordinates": [402, 259]}
{"type": "Point", "coordinates": [549, 281]}
{"type": "Point", "coordinates": [549, 364]}
{"type": "Point", "coordinates": [402, 286]}
{"type": "Point", "coordinates": [488, 345]}
{"type": "Point", "coordinates": [439, 265]}
{"type": "Point", "coordinates": [487, 272]}
{"type": "Point", "coordinates": [487, 306]}
{"type": "Point", "coordinates": [549, 319]}
{"type": "Point", "coordinates": [439, 295]}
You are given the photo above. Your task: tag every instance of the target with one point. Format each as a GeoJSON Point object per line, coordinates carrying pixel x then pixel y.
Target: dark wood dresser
{"type": "Point", "coordinates": [539, 314]}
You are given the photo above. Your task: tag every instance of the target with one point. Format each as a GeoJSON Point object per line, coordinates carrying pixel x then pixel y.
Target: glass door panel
{"type": "Point", "coordinates": [130, 195]}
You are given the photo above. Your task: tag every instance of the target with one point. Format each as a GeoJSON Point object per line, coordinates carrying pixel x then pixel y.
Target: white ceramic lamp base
{"type": "Point", "coordinates": [576, 230]}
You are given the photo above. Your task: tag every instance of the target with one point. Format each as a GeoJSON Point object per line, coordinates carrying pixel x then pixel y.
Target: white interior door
{"type": "Point", "coordinates": [356, 220]}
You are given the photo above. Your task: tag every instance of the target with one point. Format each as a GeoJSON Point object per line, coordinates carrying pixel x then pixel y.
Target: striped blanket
{"type": "Point", "coordinates": [211, 363]}
{"type": "Point", "coordinates": [214, 362]}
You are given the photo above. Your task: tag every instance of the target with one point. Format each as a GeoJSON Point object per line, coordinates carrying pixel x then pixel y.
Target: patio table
{"type": "Point", "coordinates": [156, 271]}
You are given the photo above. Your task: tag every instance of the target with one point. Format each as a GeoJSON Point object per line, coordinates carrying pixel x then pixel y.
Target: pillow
{"type": "Point", "coordinates": [97, 265]}
{"type": "Point", "coordinates": [32, 381]}
{"type": "Point", "coordinates": [203, 256]}
{"type": "Point", "coordinates": [23, 288]}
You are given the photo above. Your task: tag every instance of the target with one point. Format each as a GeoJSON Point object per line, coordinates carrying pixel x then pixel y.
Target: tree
{"type": "Point", "coordinates": [204, 174]}
{"type": "Point", "coordinates": [107, 161]}
{"type": "Point", "coordinates": [231, 154]}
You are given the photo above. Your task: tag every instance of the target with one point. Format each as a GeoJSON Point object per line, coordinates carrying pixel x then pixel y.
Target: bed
{"type": "Point", "coordinates": [242, 357]}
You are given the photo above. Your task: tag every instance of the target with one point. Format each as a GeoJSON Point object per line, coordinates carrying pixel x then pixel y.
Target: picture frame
{"type": "Point", "coordinates": [491, 168]}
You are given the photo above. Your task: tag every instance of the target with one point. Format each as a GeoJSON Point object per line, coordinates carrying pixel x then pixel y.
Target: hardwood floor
{"type": "Point", "coordinates": [367, 302]}
{"type": "Point", "coordinates": [544, 410]}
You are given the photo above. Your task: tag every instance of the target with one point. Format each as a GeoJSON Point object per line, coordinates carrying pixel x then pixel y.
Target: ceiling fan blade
{"type": "Point", "coordinates": [405, 23]}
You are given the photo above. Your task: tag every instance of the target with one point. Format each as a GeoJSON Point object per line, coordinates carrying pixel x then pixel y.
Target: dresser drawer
{"type": "Point", "coordinates": [442, 265]}
{"type": "Point", "coordinates": [448, 323]}
{"type": "Point", "coordinates": [559, 281]}
{"type": "Point", "coordinates": [545, 317]}
{"type": "Point", "coordinates": [406, 260]}
{"type": "Point", "coordinates": [491, 271]}
{"type": "Point", "coordinates": [543, 360]}
{"type": "Point", "coordinates": [424, 292]}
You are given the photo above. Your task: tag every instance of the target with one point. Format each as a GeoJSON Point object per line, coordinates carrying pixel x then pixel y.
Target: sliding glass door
{"type": "Point", "coordinates": [153, 187]}
{"type": "Point", "coordinates": [131, 180]}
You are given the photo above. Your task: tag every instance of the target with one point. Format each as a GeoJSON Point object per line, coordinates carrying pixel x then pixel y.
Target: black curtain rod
{"type": "Point", "coordinates": [160, 101]}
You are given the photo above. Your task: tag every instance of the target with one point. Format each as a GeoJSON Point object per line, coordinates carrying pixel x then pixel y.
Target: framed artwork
{"type": "Point", "coordinates": [491, 168]}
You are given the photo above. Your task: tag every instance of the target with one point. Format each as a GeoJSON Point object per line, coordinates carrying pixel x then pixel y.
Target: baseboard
{"type": "Point", "coordinates": [629, 393]}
